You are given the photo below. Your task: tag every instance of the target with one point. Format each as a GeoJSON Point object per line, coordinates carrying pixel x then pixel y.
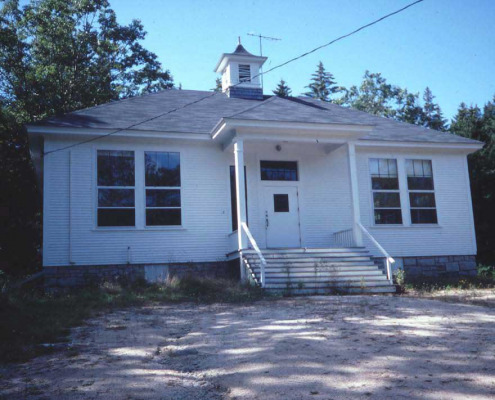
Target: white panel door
{"type": "Point", "coordinates": [282, 217]}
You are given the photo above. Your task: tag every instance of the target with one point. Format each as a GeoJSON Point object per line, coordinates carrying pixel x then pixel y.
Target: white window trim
{"type": "Point", "coordinates": [97, 187]}
{"type": "Point", "coordinates": [408, 191]}
{"type": "Point", "coordinates": [398, 191]}
{"type": "Point", "coordinates": [145, 207]}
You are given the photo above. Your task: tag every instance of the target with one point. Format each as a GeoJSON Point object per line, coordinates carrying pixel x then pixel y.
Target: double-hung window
{"type": "Point", "coordinates": [115, 185]}
{"type": "Point", "coordinates": [421, 192]}
{"type": "Point", "coordinates": [163, 188]}
{"type": "Point", "coordinates": [385, 191]}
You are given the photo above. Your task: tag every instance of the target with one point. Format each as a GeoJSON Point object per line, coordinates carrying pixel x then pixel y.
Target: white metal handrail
{"type": "Point", "coordinates": [258, 252]}
{"type": "Point", "coordinates": [388, 258]}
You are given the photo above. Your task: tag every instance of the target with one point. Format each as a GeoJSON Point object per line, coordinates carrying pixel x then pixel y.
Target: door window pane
{"type": "Point", "coordinates": [281, 202]}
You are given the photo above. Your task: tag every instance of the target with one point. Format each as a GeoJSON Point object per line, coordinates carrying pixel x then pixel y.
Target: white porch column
{"type": "Point", "coordinates": [240, 189]}
{"type": "Point", "coordinates": [356, 212]}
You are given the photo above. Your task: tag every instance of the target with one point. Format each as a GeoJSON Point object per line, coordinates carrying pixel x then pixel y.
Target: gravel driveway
{"type": "Point", "coordinates": [354, 347]}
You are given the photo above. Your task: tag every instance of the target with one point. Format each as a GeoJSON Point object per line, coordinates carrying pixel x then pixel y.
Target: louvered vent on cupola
{"type": "Point", "coordinates": [240, 74]}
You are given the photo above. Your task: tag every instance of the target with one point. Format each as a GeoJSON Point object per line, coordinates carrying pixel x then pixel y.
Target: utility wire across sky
{"type": "Point", "coordinates": [255, 76]}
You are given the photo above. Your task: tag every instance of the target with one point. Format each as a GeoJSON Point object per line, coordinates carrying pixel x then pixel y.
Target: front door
{"type": "Point", "coordinates": [282, 217]}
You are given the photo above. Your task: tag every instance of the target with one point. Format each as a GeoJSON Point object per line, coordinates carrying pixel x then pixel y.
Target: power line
{"type": "Point", "coordinates": [259, 74]}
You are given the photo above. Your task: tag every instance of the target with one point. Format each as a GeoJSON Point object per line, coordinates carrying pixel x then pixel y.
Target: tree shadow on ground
{"type": "Point", "coordinates": [316, 348]}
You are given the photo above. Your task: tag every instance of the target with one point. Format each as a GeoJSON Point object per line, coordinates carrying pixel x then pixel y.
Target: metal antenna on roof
{"type": "Point", "coordinates": [261, 49]}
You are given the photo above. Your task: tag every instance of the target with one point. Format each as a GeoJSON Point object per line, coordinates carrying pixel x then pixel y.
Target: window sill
{"type": "Point", "coordinates": [232, 233]}
{"type": "Point", "coordinates": [135, 229]}
{"type": "Point", "coordinates": [431, 226]}
{"type": "Point", "coordinates": [164, 228]}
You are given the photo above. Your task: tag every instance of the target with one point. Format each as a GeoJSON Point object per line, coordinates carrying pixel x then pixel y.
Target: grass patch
{"type": "Point", "coordinates": [30, 319]}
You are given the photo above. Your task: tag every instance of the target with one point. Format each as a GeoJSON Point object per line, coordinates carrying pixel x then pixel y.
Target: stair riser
{"type": "Point", "coordinates": [310, 256]}
{"type": "Point", "coordinates": [323, 284]}
{"type": "Point", "coordinates": [370, 275]}
{"type": "Point", "coordinates": [331, 290]}
{"type": "Point", "coordinates": [312, 261]}
{"type": "Point", "coordinates": [311, 251]}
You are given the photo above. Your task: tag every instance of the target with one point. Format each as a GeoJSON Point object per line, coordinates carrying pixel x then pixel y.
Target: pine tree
{"type": "Point", "coordinates": [218, 85]}
{"type": "Point", "coordinates": [323, 85]}
{"type": "Point", "coordinates": [432, 114]}
{"type": "Point", "coordinates": [473, 123]}
{"type": "Point", "coordinates": [282, 90]}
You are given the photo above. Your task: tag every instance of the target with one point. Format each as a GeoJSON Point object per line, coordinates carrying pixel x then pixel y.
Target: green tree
{"type": "Point", "coordinates": [282, 90]}
{"type": "Point", "coordinates": [323, 85]}
{"type": "Point", "coordinates": [374, 96]}
{"type": "Point", "coordinates": [218, 85]}
{"type": "Point", "coordinates": [408, 108]}
{"type": "Point", "coordinates": [432, 114]}
{"type": "Point", "coordinates": [57, 56]}
{"type": "Point", "coordinates": [473, 123]}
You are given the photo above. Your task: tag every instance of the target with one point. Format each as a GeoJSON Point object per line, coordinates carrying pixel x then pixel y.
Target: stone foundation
{"type": "Point", "coordinates": [73, 276]}
{"type": "Point", "coordinates": [439, 267]}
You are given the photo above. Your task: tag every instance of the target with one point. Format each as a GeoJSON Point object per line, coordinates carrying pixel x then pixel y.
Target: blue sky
{"type": "Point", "coordinates": [448, 45]}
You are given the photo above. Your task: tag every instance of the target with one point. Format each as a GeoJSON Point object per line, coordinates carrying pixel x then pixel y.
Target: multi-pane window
{"type": "Point", "coordinates": [421, 192]}
{"type": "Point", "coordinates": [163, 191]}
{"type": "Point", "coordinates": [115, 185]}
{"type": "Point", "coordinates": [244, 73]}
{"type": "Point", "coordinates": [279, 171]}
{"type": "Point", "coordinates": [385, 188]}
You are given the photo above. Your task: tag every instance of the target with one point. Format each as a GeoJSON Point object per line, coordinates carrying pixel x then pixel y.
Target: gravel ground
{"type": "Point", "coordinates": [354, 347]}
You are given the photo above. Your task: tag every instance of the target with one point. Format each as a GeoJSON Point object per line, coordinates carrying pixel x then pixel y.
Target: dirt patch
{"type": "Point", "coordinates": [479, 297]}
{"type": "Point", "coordinates": [369, 347]}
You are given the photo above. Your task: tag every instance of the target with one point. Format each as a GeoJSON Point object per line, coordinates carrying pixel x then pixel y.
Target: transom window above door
{"type": "Point", "coordinates": [279, 171]}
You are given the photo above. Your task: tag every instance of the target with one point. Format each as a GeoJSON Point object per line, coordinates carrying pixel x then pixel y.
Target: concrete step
{"type": "Point", "coordinates": [310, 250]}
{"type": "Point", "coordinates": [283, 268]}
{"type": "Point", "coordinates": [312, 266]}
{"type": "Point", "coordinates": [307, 255]}
{"type": "Point", "coordinates": [313, 260]}
{"type": "Point", "coordinates": [344, 280]}
{"type": "Point", "coordinates": [324, 284]}
{"type": "Point", "coordinates": [336, 290]}
{"type": "Point", "coordinates": [339, 275]}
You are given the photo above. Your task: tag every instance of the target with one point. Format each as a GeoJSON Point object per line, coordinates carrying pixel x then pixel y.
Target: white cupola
{"type": "Point", "coordinates": [240, 73]}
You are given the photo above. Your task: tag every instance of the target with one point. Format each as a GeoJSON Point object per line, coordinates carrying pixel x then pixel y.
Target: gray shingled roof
{"type": "Point", "coordinates": [202, 117]}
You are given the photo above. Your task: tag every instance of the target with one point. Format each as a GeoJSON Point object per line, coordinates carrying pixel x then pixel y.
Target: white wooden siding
{"type": "Point", "coordinates": [324, 201]}
{"type": "Point", "coordinates": [453, 235]}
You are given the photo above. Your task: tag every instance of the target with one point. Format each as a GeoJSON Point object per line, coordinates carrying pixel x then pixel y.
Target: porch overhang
{"type": "Point", "coordinates": [230, 129]}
